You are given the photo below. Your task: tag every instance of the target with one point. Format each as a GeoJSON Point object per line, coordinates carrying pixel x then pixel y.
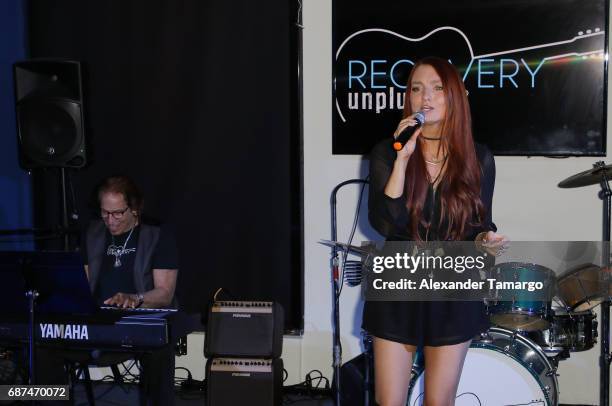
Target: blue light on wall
{"type": "Point", "coordinates": [15, 183]}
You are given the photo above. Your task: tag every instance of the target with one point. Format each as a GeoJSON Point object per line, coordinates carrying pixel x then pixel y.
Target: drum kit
{"type": "Point", "coordinates": [528, 340]}
{"type": "Point", "coordinates": [531, 337]}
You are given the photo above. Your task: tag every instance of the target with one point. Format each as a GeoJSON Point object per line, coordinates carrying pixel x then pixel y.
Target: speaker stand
{"type": "Point", "coordinates": [64, 209]}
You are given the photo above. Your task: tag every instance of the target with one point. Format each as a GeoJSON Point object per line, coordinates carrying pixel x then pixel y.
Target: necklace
{"type": "Point", "coordinates": [431, 138]}
{"type": "Point", "coordinates": [434, 161]}
{"type": "Point", "coordinates": [117, 253]}
{"type": "Point", "coordinates": [433, 184]}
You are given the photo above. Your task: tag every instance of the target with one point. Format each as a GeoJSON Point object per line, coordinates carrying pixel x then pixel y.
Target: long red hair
{"type": "Point", "coordinates": [461, 206]}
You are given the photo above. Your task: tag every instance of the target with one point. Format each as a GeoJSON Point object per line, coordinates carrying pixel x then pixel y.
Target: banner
{"type": "Point", "coordinates": [535, 70]}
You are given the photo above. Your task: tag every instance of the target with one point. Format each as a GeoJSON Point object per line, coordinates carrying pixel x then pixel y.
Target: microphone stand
{"type": "Point", "coordinates": [336, 284]}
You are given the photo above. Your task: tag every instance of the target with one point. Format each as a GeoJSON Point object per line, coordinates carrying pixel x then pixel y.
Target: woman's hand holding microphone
{"type": "Point", "coordinates": [395, 185]}
{"type": "Point", "coordinates": [410, 145]}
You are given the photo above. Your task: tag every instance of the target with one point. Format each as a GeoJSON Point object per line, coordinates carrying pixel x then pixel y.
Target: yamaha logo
{"type": "Point", "coordinates": [64, 331]}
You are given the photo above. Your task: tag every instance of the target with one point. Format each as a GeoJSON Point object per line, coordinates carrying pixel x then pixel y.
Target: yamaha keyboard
{"type": "Point", "coordinates": [110, 328]}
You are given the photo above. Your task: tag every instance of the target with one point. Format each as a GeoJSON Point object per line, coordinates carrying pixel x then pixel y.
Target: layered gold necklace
{"type": "Point", "coordinates": [435, 161]}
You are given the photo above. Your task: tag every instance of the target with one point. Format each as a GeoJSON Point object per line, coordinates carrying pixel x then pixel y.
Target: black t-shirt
{"type": "Point", "coordinates": [116, 273]}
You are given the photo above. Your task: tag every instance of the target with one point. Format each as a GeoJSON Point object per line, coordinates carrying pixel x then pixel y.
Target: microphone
{"type": "Point", "coordinates": [354, 270]}
{"type": "Point", "coordinates": [405, 135]}
{"type": "Point", "coordinates": [353, 273]}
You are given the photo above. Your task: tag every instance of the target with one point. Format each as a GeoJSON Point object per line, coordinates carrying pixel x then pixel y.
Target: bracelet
{"type": "Point", "coordinates": [140, 298]}
{"type": "Point", "coordinates": [480, 237]}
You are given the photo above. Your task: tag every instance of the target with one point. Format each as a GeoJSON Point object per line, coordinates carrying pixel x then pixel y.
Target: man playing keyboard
{"type": "Point", "coordinates": [129, 265]}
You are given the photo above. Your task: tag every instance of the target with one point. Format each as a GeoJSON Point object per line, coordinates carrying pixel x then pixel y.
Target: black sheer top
{"type": "Point", "coordinates": [428, 323]}
{"type": "Point", "coordinates": [390, 217]}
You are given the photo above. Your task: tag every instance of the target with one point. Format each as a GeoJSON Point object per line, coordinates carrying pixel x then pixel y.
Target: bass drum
{"type": "Point", "coordinates": [501, 368]}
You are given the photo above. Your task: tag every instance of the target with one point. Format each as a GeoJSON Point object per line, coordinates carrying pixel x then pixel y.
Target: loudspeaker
{"type": "Point", "coordinates": [244, 329]}
{"type": "Point", "coordinates": [242, 381]}
{"type": "Point", "coordinates": [49, 107]}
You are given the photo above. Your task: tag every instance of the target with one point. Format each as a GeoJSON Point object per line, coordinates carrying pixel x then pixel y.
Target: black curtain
{"type": "Point", "coordinates": [198, 102]}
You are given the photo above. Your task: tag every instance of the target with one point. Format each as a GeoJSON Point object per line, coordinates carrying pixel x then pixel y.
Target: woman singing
{"type": "Point", "coordinates": [439, 186]}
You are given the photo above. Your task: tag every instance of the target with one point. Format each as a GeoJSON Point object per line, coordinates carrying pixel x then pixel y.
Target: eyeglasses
{"type": "Point", "coordinates": [117, 214]}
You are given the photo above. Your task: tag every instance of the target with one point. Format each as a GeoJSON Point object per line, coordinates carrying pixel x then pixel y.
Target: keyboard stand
{"type": "Point", "coordinates": [31, 295]}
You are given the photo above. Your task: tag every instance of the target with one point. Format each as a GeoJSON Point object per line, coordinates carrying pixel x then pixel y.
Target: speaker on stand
{"type": "Point", "coordinates": [49, 107]}
{"type": "Point", "coordinates": [50, 120]}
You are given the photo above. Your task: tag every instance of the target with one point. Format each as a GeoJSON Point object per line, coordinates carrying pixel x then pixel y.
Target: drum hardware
{"type": "Point", "coordinates": [485, 338]}
{"type": "Point", "coordinates": [600, 173]}
{"type": "Point", "coordinates": [552, 372]}
{"type": "Point", "coordinates": [514, 343]}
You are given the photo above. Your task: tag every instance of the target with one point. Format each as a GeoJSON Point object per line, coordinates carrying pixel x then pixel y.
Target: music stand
{"type": "Point", "coordinates": [49, 283]}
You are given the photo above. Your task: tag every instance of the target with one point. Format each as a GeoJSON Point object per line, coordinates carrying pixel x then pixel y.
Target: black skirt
{"type": "Point", "coordinates": [425, 323]}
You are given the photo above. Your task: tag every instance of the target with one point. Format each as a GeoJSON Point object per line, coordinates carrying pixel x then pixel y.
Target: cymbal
{"type": "Point", "coordinates": [351, 248]}
{"type": "Point", "coordinates": [588, 177]}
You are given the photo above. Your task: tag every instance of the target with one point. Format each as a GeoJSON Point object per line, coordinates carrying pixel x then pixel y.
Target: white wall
{"type": "Point", "coordinates": [527, 206]}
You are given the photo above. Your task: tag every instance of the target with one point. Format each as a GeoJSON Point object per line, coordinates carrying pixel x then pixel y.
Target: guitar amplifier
{"type": "Point", "coordinates": [244, 329]}
{"type": "Point", "coordinates": [239, 381]}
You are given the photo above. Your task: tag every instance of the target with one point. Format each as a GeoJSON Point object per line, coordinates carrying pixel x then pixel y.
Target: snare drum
{"type": "Point", "coordinates": [574, 331]}
{"type": "Point", "coordinates": [518, 309]}
{"type": "Point", "coordinates": [582, 289]}
{"type": "Point", "coordinates": [501, 368]}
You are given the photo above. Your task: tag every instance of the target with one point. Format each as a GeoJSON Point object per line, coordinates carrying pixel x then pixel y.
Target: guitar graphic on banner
{"type": "Point", "coordinates": [375, 84]}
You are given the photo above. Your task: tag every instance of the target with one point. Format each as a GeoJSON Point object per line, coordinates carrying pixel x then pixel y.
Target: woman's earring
{"type": "Point", "coordinates": [467, 92]}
